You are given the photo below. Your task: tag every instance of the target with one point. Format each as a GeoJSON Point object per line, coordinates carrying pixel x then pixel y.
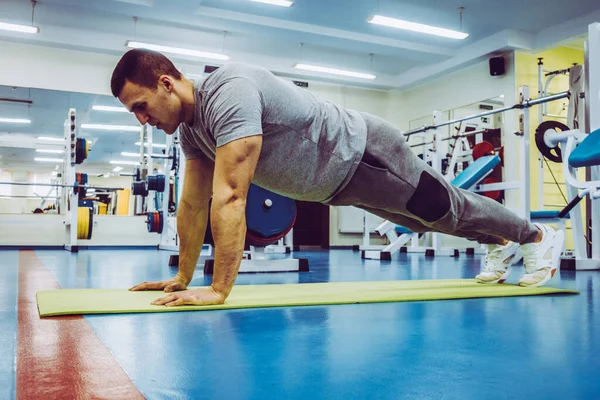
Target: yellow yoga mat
{"type": "Point", "coordinates": [118, 301]}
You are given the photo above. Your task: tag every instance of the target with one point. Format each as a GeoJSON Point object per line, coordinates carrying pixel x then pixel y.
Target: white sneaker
{"type": "Point", "coordinates": [541, 259]}
{"type": "Point", "coordinates": [498, 261]}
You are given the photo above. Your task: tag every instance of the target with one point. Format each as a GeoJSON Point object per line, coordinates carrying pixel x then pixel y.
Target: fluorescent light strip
{"type": "Point", "coordinates": [100, 127]}
{"type": "Point", "coordinates": [126, 154]}
{"type": "Point", "coordinates": [124, 162]}
{"type": "Point", "coordinates": [415, 27]}
{"type": "Point", "coordinates": [176, 50]}
{"type": "Point", "coordinates": [281, 3]}
{"type": "Point", "coordinates": [118, 169]}
{"type": "Point", "coordinates": [334, 71]}
{"type": "Point", "coordinates": [53, 151]}
{"type": "Point", "coordinates": [51, 139]}
{"type": "Point", "coordinates": [19, 28]}
{"type": "Point", "coordinates": [15, 120]}
{"type": "Point", "coordinates": [161, 146]}
{"type": "Point", "coordinates": [42, 159]}
{"type": "Point", "coordinates": [110, 108]}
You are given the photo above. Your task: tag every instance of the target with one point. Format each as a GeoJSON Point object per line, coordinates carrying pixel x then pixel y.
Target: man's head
{"type": "Point", "coordinates": [149, 85]}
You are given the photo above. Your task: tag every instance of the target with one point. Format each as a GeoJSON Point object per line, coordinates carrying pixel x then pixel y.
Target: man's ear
{"type": "Point", "coordinates": [166, 81]}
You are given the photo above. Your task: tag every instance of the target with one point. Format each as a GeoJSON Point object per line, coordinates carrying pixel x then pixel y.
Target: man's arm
{"type": "Point", "coordinates": [234, 169]}
{"type": "Point", "coordinates": [192, 214]}
{"type": "Point", "coordinates": [192, 218]}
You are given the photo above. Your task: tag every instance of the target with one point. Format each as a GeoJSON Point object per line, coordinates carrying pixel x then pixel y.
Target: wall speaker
{"type": "Point", "coordinates": [497, 66]}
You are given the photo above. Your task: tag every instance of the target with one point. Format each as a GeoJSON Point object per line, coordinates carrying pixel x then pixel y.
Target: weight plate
{"type": "Point", "coordinates": [139, 188]}
{"type": "Point", "coordinates": [152, 182]}
{"type": "Point", "coordinates": [91, 226]}
{"type": "Point", "coordinates": [156, 182]}
{"type": "Point", "coordinates": [492, 194]}
{"type": "Point", "coordinates": [161, 222]}
{"type": "Point", "coordinates": [161, 183]}
{"type": "Point", "coordinates": [81, 150]}
{"type": "Point", "coordinates": [482, 149]}
{"type": "Point", "coordinates": [150, 221]}
{"type": "Point", "coordinates": [551, 153]}
{"type": "Point", "coordinates": [269, 215]}
{"type": "Point", "coordinates": [155, 222]}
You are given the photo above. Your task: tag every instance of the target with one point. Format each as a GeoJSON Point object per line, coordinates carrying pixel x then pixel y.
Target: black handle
{"type": "Point", "coordinates": [569, 207]}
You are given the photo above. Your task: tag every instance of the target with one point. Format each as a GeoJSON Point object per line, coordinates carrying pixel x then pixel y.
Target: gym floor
{"type": "Point", "coordinates": [542, 347]}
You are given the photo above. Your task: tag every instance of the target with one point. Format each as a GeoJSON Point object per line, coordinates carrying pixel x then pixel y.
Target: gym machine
{"type": "Point", "coordinates": [579, 150]}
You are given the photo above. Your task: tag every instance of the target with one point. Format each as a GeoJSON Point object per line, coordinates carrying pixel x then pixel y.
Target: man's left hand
{"type": "Point", "coordinates": [195, 297]}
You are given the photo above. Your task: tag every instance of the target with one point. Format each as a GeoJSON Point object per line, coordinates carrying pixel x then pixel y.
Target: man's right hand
{"type": "Point", "coordinates": [171, 285]}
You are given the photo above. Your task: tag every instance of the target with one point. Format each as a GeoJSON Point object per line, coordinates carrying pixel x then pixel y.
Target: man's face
{"type": "Point", "coordinates": [158, 107]}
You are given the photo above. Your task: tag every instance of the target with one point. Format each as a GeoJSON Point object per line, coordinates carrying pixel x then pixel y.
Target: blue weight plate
{"type": "Point", "coordinates": [269, 214]}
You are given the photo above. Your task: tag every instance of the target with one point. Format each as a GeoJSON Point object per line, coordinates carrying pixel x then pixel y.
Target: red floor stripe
{"type": "Point", "coordinates": [61, 358]}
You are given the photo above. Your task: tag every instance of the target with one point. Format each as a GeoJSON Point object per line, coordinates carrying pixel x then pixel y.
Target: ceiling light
{"type": "Point", "coordinates": [162, 146]}
{"type": "Point", "coordinates": [19, 28]}
{"type": "Point", "coordinates": [334, 71]}
{"type": "Point", "coordinates": [176, 50]}
{"type": "Point", "coordinates": [110, 108]}
{"type": "Point", "coordinates": [100, 127]}
{"type": "Point", "coordinates": [15, 120]}
{"type": "Point", "coordinates": [48, 159]}
{"type": "Point", "coordinates": [282, 3]}
{"type": "Point", "coordinates": [51, 139]}
{"type": "Point", "coordinates": [118, 169]}
{"type": "Point", "coordinates": [53, 151]}
{"type": "Point", "coordinates": [126, 154]}
{"type": "Point", "coordinates": [124, 162]}
{"type": "Point", "coordinates": [415, 27]}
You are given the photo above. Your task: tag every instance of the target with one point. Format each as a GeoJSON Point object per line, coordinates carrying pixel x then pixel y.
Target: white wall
{"type": "Point", "coordinates": [455, 90]}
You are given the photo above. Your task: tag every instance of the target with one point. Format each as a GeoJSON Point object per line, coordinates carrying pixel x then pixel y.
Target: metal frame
{"type": "Point", "coordinates": [526, 103]}
{"type": "Point", "coordinates": [543, 112]}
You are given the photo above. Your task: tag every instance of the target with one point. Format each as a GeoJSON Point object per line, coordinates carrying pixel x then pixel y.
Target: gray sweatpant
{"type": "Point", "coordinates": [393, 183]}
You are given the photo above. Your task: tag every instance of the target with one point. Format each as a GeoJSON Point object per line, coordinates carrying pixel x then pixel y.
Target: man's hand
{"type": "Point", "coordinates": [170, 285]}
{"type": "Point", "coordinates": [197, 297]}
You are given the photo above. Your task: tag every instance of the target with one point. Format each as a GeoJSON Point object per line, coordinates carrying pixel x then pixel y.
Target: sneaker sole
{"type": "Point", "coordinates": [499, 280]}
{"type": "Point", "coordinates": [559, 239]}
{"type": "Point", "coordinates": [518, 257]}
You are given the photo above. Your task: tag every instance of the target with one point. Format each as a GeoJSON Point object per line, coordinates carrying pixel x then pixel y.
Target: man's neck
{"type": "Point", "coordinates": [188, 102]}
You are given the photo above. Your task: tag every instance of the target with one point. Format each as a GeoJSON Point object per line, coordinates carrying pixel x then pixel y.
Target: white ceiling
{"type": "Point", "coordinates": [332, 33]}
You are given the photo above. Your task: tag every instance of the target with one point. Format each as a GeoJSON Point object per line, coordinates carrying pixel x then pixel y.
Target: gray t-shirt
{"type": "Point", "coordinates": [311, 147]}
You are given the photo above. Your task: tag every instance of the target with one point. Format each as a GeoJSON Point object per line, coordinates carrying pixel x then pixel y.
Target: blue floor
{"type": "Point", "coordinates": [544, 347]}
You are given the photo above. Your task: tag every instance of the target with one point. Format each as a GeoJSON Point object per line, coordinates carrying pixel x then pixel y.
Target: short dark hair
{"type": "Point", "coordinates": [142, 67]}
